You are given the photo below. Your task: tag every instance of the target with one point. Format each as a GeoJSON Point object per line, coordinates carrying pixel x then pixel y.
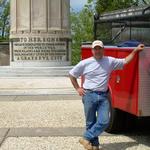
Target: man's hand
{"type": "Point", "coordinates": [81, 91]}
{"type": "Point", "coordinates": [139, 48]}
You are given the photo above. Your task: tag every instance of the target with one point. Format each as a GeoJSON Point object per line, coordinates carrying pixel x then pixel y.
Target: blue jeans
{"type": "Point", "coordinates": [96, 109]}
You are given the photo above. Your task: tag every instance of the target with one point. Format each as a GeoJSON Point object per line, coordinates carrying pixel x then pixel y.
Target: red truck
{"type": "Point", "coordinates": [129, 89]}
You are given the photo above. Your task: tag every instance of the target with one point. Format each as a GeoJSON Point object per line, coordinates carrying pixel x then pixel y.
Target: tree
{"type": "Point", "coordinates": [82, 22]}
{"type": "Point", "coordinates": [81, 29]}
{"type": "Point", "coordinates": [110, 5]}
{"type": "Point", "coordinates": [4, 19]}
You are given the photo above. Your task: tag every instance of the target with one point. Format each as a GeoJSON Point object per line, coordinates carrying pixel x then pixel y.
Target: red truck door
{"type": "Point", "coordinates": [126, 84]}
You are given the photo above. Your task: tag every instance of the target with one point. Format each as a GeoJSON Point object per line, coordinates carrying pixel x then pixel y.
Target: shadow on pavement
{"type": "Point", "coordinates": [139, 132]}
{"type": "Point", "coordinates": [119, 146]}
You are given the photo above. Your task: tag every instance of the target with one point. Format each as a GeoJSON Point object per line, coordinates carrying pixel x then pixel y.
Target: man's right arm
{"type": "Point", "coordinates": [74, 82]}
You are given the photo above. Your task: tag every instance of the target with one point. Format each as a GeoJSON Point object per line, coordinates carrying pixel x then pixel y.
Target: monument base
{"type": "Point", "coordinates": [39, 64]}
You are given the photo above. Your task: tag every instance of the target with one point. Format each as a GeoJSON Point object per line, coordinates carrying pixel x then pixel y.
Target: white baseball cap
{"type": "Point", "coordinates": [97, 43]}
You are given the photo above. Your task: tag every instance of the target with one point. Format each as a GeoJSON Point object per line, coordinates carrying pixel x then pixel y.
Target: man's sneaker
{"type": "Point", "coordinates": [87, 145]}
{"type": "Point", "coordinates": [97, 148]}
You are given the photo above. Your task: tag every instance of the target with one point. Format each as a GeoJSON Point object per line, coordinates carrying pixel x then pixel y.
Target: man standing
{"type": "Point", "coordinates": [96, 71]}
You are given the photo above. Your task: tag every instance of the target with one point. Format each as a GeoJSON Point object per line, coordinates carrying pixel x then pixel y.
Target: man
{"type": "Point", "coordinates": [96, 71]}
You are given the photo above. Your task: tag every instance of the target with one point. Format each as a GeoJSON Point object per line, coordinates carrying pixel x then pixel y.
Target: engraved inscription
{"type": "Point", "coordinates": [41, 49]}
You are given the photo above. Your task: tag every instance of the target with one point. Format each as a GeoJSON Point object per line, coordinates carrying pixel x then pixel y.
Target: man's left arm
{"type": "Point", "coordinates": [139, 48]}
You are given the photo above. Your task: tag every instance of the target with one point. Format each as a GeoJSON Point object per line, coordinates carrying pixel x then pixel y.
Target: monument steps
{"type": "Point", "coordinates": [53, 92]}
{"type": "Point", "coordinates": [6, 71]}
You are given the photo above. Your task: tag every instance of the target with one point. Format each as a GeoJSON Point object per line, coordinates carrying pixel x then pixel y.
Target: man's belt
{"type": "Point", "coordinates": [98, 92]}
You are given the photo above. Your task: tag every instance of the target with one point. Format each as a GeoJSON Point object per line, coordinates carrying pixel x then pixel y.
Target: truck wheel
{"type": "Point", "coordinates": [131, 122]}
{"type": "Point", "coordinates": [117, 119]}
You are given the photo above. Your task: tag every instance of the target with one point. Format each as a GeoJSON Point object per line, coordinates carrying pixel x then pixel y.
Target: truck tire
{"type": "Point", "coordinates": [117, 119]}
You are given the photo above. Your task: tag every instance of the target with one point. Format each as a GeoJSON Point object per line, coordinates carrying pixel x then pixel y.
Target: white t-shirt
{"type": "Point", "coordinates": [97, 72]}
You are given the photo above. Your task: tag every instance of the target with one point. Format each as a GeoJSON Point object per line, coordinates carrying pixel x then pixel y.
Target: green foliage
{"type": "Point", "coordinates": [81, 29]}
{"type": "Point", "coordinates": [82, 22]}
{"type": "Point", "coordinates": [110, 5]}
{"type": "Point", "coordinates": [4, 19]}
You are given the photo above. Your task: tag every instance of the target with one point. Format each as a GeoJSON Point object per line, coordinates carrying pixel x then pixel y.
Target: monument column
{"type": "Point", "coordinates": [40, 33]}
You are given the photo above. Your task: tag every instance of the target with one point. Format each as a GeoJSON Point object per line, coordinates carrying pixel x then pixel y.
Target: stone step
{"type": "Point", "coordinates": [36, 86]}
{"type": "Point", "coordinates": [34, 71]}
{"type": "Point", "coordinates": [15, 92]}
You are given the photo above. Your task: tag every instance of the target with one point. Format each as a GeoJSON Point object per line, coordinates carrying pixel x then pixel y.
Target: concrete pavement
{"type": "Point", "coordinates": [35, 86]}
{"type": "Point", "coordinates": [52, 125]}
{"type": "Point", "coordinates": [47, 114]}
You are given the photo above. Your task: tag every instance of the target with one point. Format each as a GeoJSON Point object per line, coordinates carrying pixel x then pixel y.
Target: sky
{"type": "Point", "coordinates": [77, 5]}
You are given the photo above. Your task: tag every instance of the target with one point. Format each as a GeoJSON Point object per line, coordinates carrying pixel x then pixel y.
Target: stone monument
{"type": "Point", "coordinates": [40, 33]}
